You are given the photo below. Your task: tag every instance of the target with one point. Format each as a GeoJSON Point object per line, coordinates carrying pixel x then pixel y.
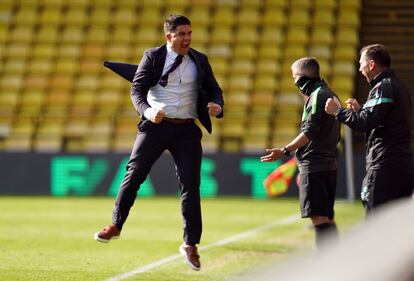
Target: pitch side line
{"type": "Point", "coordinates": [241, 235]}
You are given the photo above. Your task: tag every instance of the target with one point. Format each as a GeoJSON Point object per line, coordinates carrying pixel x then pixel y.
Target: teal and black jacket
{"type": "Point", "coordinates": [386, 120]}
{"type": "Point", "coordinates": [321, 129]}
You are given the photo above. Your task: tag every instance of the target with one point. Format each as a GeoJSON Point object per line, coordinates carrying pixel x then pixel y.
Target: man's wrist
{"type": "Point", "coordinates": [286, 151]}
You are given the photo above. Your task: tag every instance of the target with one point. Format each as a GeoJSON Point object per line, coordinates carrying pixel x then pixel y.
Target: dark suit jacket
{"type": "Point", "coordinates": [149, 73]}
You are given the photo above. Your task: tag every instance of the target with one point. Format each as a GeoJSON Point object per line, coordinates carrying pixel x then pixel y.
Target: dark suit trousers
{"type": "Point", "coordinates": [184, 143]}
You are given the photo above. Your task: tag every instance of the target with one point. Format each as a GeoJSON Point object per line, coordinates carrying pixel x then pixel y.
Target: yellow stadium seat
{"type": "Point", "coordinates": [345, 52]}
{"type": "Point", "coordinates": [293, 52]}
{"type": "Point", "coordinates": [224, 17]}
{"type": "Point", "coordinates": [299, 18]}
{"type": "Point", "coordinates": [273, 36]}
{"type": "Point", "coordinates": [347, 68]}
{"type": "Point", "coordinates": [50, 17]}
{"type": "Point", "coordinates": [172, 5]}
{"type": "Point", "coordinates": [348, 18]}
{"type": "Point", "coordinates": [323, 17]}
{"type": "Point", "coordinates": [267, 67]}
{"type": "Point", "coordinates": [347, 36]}
{"type": "Point", "coordinates": [232, 129]}
{"type": "Point", "coordinates": [240, 83]}
{"type": "Point", "coordinates": [124, 17]}
{"type": "Point", "coordinates": [118, 52]}
{"type": "Point", "coordinates": [33, 98]}
{"type": "Point", "coordinates": [263, 98]}
{"type": "Point", "coordinates": [274, 18]}
{"type": "Point", "coordinates": [247, 35]}
{"type": "Point", "coordinates": [245, 51]}
{"type": "Point", "coordinates": [269, 52]}
{"type": "Point", "coordinates": [147, 36]}
{"type": "Point", "coordinates": [93, 51]}
{"type": "Point", "coordinates": [21, 34]}
{"type": "Point", "coordinates": [221, 35]}
{"type": "Point", "coordinates": [4, 31]}
{"type": "Point", "coordinates": [97, 35]}
{"type": "Point", "coordinates": [242, 66]}
{"type": "Point", "coordinates": [287, 85]}
{"type": "Point", "coordinates": [149, 17]}
{"type": "Point", "coordinates": [36, 82]}
{"type": "Point", "coordinates": [201, 3]}
{"type": "Point", "coordinates": [77, 4]}
{"type": "Point", "coordinates": [280, 4]}
{"type": "Point", "coordinates": [102, 4]}
{"type": "Point", "coordinates": [99, 16]}
{"type": "Point", "coordinates": [200, 17]}
{"type": "Point", "coordinates": [320, 51]}
{"type": "Point", "coordinates": [66, 66]}
{"type": "Point", "coordinates": [322, 36]}
{"type": "Point", "coordinates": [61, 81]}
{"type": "Point", "coordinates": [124, 35]}
{"type": "Point", "coordinates": [349, 4]}
{"type": "Point", "coordinates": [17, 50]}
{"type": "Point", "coordinates": [75, 17]}
{"type": "Point", "coordinates": [220, 50]}
{"type": "Point", "coordinates": [220, 65]}
{"type": "Point", "coordinates": [94, 144]}
{"type": "Point", "coordinates": [15, 66]}
{"type": "Point", "coordinates": [110, 81]}
{"type": "Point", "coordinates": [72, 35]}
{"type": "Point", "coordinates": [88, 82]}
{"type": "Point", "coordinates": [47, 144]}
{"type": "Point", "coordinates": [325, 4]}
{"type": "Point", "coordinates": [11, 82]}
{"type": "Point", "coordinates": [44, 51]}
{"type": "Point", "coordinates": [18, 144]}
{"type": "Point", "coordinates": [69, 51]}
{"type": "Point", "coordinates": [297, 35]}
{"type": "Point", "coordinates": [248, 17]}
{"type": "Point", "coordinates": [152, 4]}
{"type": "Point", "coordinates": [47, 34]}
{"type": "Point", "coordinates": [40, 66]}
{"type": "Point", "coordinates": [237, 98]}
{"type": "Point", "coordinates": [300, 4]}
{"type": "Point", "coordinates": [124, 144]}
{"type": "Point", "coordinates": [266, 83]}
{"type": "Point", "coordinates": [343, 86]}
{"type": "Point", "coordinates": [90, 66]}
{"type": "Point", "coordinates": [131, 4]}
{"type": "Point", "coordinates": [9, 99]}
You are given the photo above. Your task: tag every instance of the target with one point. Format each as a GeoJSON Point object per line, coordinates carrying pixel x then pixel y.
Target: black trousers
{"type": "Point", "coordinates": [184, 143]}
{"type": "Point", "coordinates": [381, 187]}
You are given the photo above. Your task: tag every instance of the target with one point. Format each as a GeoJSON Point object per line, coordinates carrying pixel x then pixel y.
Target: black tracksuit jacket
{"type": "Point", "coordinates": [386, 119]}
{"type": "Point", "coordinates": [321, 129]}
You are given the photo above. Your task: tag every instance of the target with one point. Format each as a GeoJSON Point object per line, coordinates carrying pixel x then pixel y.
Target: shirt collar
{"type": "Point", "coordinates": [171, 53]}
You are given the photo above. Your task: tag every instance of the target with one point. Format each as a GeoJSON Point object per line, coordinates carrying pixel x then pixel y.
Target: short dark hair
{"type": "Point", "coordinates": [171, 23]}
{"type": "Point", "coordinates": [377, 53]}
{"type": "Point", "coordinates": [308, 66]}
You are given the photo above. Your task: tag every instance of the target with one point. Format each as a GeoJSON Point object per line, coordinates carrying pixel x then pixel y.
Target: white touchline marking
{"type": "Point", "coordinates": [241, 235]}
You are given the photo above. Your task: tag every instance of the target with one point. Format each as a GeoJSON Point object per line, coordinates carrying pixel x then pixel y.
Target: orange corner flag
{"type": "Point", "coordinates": [278, 181]}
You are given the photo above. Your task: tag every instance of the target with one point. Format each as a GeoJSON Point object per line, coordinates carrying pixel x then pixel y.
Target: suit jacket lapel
{"type": "Point", "coordinates": [197, 62]}
{"type": "Point", "coordinates": [159, 62]}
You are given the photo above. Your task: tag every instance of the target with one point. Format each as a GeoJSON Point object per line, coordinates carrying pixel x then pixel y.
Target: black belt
{"type": "Point", "coordinates": [178, 121]}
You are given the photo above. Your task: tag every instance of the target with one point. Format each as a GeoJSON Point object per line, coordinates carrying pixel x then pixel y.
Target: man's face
{"type": "Point", "coordinates": [296, 75]}
{"type": "Point", "coordinates": [180, 39]}
{"type": "Point", "coordinates": [365, 67]}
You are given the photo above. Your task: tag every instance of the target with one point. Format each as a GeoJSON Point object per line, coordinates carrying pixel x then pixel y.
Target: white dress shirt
{"type": "Point", "coordinates": [179, 98]}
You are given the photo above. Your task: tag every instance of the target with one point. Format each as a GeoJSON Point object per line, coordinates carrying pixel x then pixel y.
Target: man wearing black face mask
{"type": "Point", "coordinates": [315, 148]}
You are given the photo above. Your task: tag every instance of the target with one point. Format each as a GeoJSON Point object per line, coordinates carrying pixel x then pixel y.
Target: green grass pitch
{"type": "Point", "coordinates": [46, 238]}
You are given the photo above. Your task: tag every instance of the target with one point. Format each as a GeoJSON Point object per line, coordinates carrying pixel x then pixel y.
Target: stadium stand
{"type": "Point", "coordinates": [55, 95]}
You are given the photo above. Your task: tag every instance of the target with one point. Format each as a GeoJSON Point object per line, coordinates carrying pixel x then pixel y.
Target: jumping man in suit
{"type": "Point", "coordinates": [173, 85]}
